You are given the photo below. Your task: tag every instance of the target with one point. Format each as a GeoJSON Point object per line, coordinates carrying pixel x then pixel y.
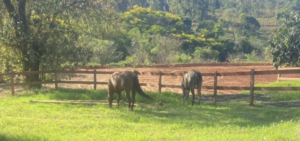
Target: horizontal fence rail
{"type": "Point", "coordinates": [251, 73]}
{"type": "Point", "coordinates": [267, 72]}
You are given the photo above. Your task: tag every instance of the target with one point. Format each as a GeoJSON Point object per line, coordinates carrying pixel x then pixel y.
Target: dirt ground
{"type": "Point", "coordinates": [152, 80]}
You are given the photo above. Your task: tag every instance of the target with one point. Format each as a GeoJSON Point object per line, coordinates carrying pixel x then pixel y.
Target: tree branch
{"type": "Point", "coordinates": [10, 8]}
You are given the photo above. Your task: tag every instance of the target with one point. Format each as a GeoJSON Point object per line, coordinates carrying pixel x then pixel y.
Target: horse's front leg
{"type": "Point", "coordinates": [110, 98]}
{"type": "Point", "coordinates": [118, 100]}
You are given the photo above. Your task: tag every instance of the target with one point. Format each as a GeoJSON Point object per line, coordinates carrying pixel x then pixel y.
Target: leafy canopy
{"type": "Point", "coordinates": [285, 42]}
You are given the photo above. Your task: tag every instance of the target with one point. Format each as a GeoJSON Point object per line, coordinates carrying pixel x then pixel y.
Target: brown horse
{"type": "Point", "coordinates": [189, 81]}
{"type": "Point", "coordinates": [125, 81]}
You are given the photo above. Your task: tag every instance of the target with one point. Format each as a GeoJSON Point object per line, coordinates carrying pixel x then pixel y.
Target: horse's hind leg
{"type": "Point", "coordinates": [193, 93]}
{"type": "Point", "coordinates": [133, 99]}
{"type": "Point", "coordinates": [128, 98]}
{"type": "Point", "coordinates": [118, 100]}
{"type": "Point", "coordinates": [183, 95]}
{"type": "Point", "coordinates": [199, 93]}
{"type": "Point", "coordinates": [186, 95]}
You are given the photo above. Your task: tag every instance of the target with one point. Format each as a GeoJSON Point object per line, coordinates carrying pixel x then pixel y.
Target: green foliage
{"type": "Point", "coordinates": [210, 29]}
{"type": "Point", "coordinates": [139, 49]}
{"type": "Point", "coordinates": [285, 43]}
{"type": "Point", "coordinates": [206, 24]}
{"type": "Point", "coordinates": [205, 54]}
{"type": "Point", "coordinates": [249, 25]}
{"type": "Point", "coordinates": [218, 30]}
{"type": "Point", "coordinates": [10, 59]}
{"type": "Point", "coordinates": [249, 22]}
{"type": "Point", "coordinates": [164, 49]}
{"type": "Point", "coordinates": [243, 46]}
{"type": "Point", "coordinates": [183, 58]}
{"type": "Point", "coordinates": [154, 22]}
{"type": "Point", "coordinates": [102, 51]}
{"type": "Point", "coordinates": [44, 33]}
{"type": "Point", "coordinates": [226, 48]}
{"type": "Point", "coordinates": [47, 32]}
{"type": "Point", "coordinates": [55, 34]}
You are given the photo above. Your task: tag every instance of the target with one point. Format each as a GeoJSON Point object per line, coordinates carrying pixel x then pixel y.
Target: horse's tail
{"type": "Point", "coordinates": [200, 77]}
{"type": "Point", "coordinates": [138, 88]}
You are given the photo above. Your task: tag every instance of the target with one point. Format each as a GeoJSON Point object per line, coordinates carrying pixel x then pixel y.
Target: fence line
{"type": "Point", "coordinates": [280, 78]}
{"type": "Point", "coordinates": [160, 74]}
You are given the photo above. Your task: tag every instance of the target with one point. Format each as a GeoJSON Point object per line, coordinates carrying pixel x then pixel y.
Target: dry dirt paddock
{"type": "Point", "coordinates": [152, 80]}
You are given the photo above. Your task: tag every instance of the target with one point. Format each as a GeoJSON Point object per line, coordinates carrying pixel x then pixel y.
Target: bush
{"type": "Point", "coordinates": [183, 58]}
{"type": "Point", "coordinates": [205, 54]}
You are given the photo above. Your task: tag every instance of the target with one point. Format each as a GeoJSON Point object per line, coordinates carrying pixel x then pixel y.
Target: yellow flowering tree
{"type": "Point", "coordinates": [152, 21]}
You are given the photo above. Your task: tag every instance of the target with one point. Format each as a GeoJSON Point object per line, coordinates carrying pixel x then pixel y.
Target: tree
{"type": "Point", "coordinates": [285, 42]}
{"type": "Point", "coordinates": [249, 25]}
{"type": "Point", "coordinates": [46, 32]}
{"type": "Point", "coordinates": [164, 49]}
{"type": "Point", "coordinates": [30, 31]}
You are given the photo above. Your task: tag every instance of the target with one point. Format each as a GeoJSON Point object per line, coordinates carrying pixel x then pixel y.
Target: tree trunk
{"type": "Point", "coordinates": [18, 15]}
{"type": "Point", "coordinates": [32, 65]}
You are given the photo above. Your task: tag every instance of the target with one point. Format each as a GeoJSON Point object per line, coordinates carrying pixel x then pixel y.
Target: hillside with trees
{"type": "Point", "coordinates": [52, 34]}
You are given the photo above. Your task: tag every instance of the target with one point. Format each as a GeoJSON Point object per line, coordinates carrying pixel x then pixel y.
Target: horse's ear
{"type": "Point", "coordinates": [136, 72]}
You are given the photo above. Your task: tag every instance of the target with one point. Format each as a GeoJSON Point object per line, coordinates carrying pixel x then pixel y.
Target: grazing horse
{"type": "Point", "coordinates": [189, 81]}
{"type": "Point", "coordinates": [125, 81]}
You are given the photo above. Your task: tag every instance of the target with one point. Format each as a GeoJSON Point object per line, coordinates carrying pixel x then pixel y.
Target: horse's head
{"type": "Point", "coordinates": [136, 72]}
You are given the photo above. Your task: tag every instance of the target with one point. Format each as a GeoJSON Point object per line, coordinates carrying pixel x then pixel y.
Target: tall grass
{"type": "Point", "coordinates": [22, 120]}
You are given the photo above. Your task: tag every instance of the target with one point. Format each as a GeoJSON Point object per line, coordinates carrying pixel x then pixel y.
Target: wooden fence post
{"type": "Point", "coordinates": [159, 82]}
{"type": "Point", "coordinates": [215, 87]}
{"type": "Point", "coordinates": [252, 87]}
{"type": "Point", "coordinates": [12, 84]}
{"type": "Point", "coordinates": [95, 79]}
{"type": "Point", "coordinates": [278, 77]}
{"type": "Point", "coordinates": [55, 79]}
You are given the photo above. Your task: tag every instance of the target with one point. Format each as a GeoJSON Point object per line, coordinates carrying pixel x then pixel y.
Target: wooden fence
{"type": "Point", "coordinates": [280, 78]}
{"type": "Point", "coordinates": [215, 87]}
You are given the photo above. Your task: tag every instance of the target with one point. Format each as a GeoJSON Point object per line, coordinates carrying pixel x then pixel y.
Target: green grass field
{"type": "Point", "coordinates": [235, 120]}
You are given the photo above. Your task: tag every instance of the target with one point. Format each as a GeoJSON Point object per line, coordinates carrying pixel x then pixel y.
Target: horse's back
{"type": "Point", "coordinates": [127, 80]}
{"type": "Point", "coordinates": [122, 80]}
{"type": "Point", "coordinates": [191, 79]}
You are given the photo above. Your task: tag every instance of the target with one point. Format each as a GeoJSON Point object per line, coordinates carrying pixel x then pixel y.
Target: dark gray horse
{"type": "Point", "coordinates": [191, 80]}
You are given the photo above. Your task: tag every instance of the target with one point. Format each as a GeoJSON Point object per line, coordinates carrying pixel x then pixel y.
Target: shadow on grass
{"type": "Point", "coordinates": [233, 111]}
{"type": "Point", "coordinates": [17, 138]}
{"type": "Point", "coordinates": [213, 116]}
{"type": "Point", "coordinates": [81, 94]}
{"type": "Point", "coordinates": [78, 94]}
